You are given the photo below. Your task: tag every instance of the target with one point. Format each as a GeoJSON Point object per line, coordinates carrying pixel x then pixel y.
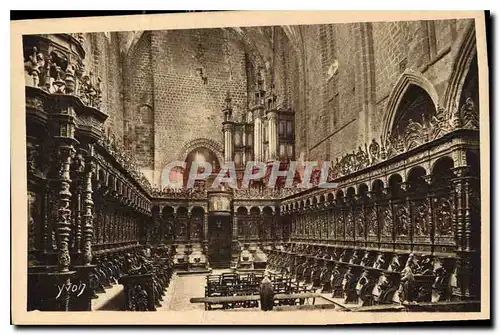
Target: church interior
{"type": "Point", "coordinates": [392, 106]}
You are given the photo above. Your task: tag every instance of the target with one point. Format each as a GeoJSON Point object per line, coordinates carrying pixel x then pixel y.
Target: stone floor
{"type": "Point", "coordinates": [181, 289]}
{"type": "Point", "coordinates": [184, 287]}
{"type": "Point", "coordinates": [111, 300]}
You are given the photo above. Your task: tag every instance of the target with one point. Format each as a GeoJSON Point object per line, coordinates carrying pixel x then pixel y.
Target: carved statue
{"type": "Point", "coordinates": [349, 225]}
{"type": "Point", "coordinates": [374, 150]}
{"type": "Point", "coordinates": [407, 285]}
{"type": "Point", "coordinates": [469, 114]}
{"type": "Point", "coordinates": [366, 260]}
{"type": "Point", "coordinates": [360, 223]}
{"type": "Point", "coordinates": [339, 224]}
{"type": "Point", "coordinates": [395, 264]}
{"type": "Point", "coordinates": [362, 159]}
{"type": "Point", "coordinates": [372, 221]}
{"type": "Point", "coordinates": [443, 218]}
{"type": "Point", "coordinates": [422, 224]}
{"type": "Point", "coordinates": [387, 222]}
{"type": "Point", "coordinates": [387, 287]}
{"type": "Point", "coordinates": [379, 262]}
{"type": "Point", "coordinates": [34, 65]}
{"type": "Point", "coordinates": [354, 258]}
{"type": "Point", "coordinates": [364, 288]}
{"type": "Point", "coordinates": [402, 221]}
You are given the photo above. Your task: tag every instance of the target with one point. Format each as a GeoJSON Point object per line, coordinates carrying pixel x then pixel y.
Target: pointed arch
{"type": "Point", "coordinates": [463, 59]}
{"type": "Point", "coordinates": [408, 77]}
{"type": "Point", "coordinates": [216, 147]}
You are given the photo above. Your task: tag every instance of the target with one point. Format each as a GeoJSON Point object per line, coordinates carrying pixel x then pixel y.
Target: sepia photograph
{"type": "Point", "coordinates": [251, 167]}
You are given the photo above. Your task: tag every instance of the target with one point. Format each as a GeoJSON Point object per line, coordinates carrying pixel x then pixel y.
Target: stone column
{"type": "Point", "coordinates": [235, 252]}
{"type": "Point", "coordinates": [244, 143]}
{"type": "Point", "coordinates": [273, 137]}
{"type": "Point", "coordinates": [205, 233]}
{"type": "Point", "coordinates": [189, 225]}
{"type": "Point", "coordinates": [228, 141]}
{"type": "Point", "coordinates": [257, 133]}
{"type": "Point", "coordinates": [235, 227]}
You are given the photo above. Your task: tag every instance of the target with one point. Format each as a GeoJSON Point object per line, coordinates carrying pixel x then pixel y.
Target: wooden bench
{"type": "Point", "coordinates": [208, 301]}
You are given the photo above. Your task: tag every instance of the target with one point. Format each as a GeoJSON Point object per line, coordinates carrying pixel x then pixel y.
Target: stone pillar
{"type": "Point", "coordinates": [228, 141]}
{"type": "Point", "coordinates": [235, 227]}
{"type": "Point", "coordinates": [257, 134]}
{"type": "Point", "coordinates": [235, 250]}
{"type": "Point", "coordinates": [273, 137]}
{"type": "Point", "coordinates": [244, 143]}
{"type": "Point", "coordinates": [205, 233]}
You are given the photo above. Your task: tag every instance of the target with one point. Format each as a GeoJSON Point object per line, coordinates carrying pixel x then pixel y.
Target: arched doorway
{"type": "Point", "coordinates": [177, 177]}
{"type": "Point", "coordinates": [201, 155]}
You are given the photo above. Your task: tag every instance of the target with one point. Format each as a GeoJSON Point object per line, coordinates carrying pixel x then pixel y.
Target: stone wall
{"type": "Point", "coordinates": [103, 59]}
{"type": "Point", "coordinates": [337, 79]}
{"type": "Point", "coordinates": [345, 109]}
{"type": "Point", "coordinates": [188, 104]}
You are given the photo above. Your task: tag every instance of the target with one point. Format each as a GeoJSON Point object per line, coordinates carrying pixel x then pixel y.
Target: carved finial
{"type": "Point", "coordinates": [228, 99]}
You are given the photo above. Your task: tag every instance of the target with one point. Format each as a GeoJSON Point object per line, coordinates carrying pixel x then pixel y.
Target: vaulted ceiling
{"type": "Point", "coordinates": [258, 41]}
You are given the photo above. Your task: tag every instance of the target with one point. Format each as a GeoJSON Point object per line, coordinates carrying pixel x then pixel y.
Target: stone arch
{"type": "Point", "coordinates": [241, 210]}
{"type": "Point", "coordinates": [377, 186]}
{"type": "Point", "coordinates": [362, 188]}
{"type": "Point", "coordinates": [339, 195]}
{"type": "Point", "coordinates": [395, 181]}
{"type": "Point", "coordinates": [267, 210]}
{"type": "Point", "coordinates": [408, 77]}
{"type": "Point", "coordinates": [351, 191]}
{"type": "Point", "coordinates": [446, 160]}
{"type": "Point", "coordinates": [168, 211]}
{"type": "Point", "coordinates": [215, 146]}
{"type": "Point", "coordinates": [254, 211]}
{"type": "Point", "coordinates": [415, 178]}
{"type": "Point", "coordinates": [463, 58]}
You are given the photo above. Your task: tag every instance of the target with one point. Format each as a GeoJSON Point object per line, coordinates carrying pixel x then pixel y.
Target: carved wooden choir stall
{"type": "Point", "coordinates": [402, 227]}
